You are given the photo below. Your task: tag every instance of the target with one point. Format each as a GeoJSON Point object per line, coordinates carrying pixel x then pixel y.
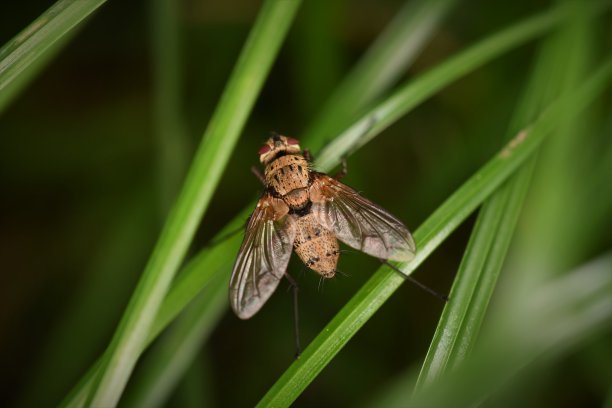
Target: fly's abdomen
{"type": "Point", "coordinates": [316, 246]}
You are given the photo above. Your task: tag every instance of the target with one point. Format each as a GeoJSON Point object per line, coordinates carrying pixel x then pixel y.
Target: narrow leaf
{"type": "Point", "coordinates": [211, 158]}
{"type": "Point", "coordinates": [28, 52]}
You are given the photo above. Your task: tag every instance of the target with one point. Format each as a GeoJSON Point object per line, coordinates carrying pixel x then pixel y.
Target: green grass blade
{"type": "Point", "coordinates": [28, 52]}
{"type": "Point", "coordinates": [219, 139]}
{"type": "Point", "coordinates": [549, 322]}
{"type": "Point", "coordinates": [414, 92]}
{"type": "Point", "coordinates": [172, 142]}
{"type": "Point", "coordinates": [428, 237]}
{"type": "Point", "coordinates": [559, 190]}
{"type": "Point", "coordinates": [175, 354]}
{"type": "Point", "coordinates": [588, 285]}
{"type": "Point", "coordinates": [196, 275]}
{"type": "Point", "coordinates": [509, 199]}
{"type": "Point", "coordinates": [461, 318]}
{"type": "Point", "coordinates": [384, 62]}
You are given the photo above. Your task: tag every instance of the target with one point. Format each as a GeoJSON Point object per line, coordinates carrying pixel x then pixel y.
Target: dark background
{"type": "Point", "coordinates": [81, 209]}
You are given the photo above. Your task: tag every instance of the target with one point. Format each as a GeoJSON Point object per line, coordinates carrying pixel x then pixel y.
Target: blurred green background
{"type": "Point", "coordinates": [86, 187]}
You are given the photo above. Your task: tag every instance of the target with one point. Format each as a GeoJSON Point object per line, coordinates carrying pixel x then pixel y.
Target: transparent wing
{"type": "Point", "coordinates": [263, 256]}
{"type": "Point", "coordinates": [359, 222]}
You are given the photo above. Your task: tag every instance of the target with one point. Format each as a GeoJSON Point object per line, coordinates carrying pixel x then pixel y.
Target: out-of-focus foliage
{"type": "Point", "coordinates": [94, 148]}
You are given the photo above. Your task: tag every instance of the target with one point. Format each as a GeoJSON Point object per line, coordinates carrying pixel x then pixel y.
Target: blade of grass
{"type": "Point", "coordinates": [211, 157]}
{"type": "Point", "coordinates": [428, 237]}
{"type": "Point", "coordinates": [464, 289]}
{"type": "Point", "coordinates": [198, 272]}
{"type": "Point", "coordinates": [558, 191]}
{"type": "Point", "coordinates": [548, 323]}
{"type": "Point", "coordinates": [411, 94]}
{"type": "Point", "coordinates": [480, 372]}
{"type": "Point", "coordinates": [175, 354]}
{"type": "Point", "coordinates": [29, 51]}
{"type": "Point", "coordinates": [509, 201]}
{"type": "Point", "coordinates": [599, 195]}
{"type": "Point", "coordinates": [569, 49]}
{"type": "Point", "coordinates": [461, 318]}
{"type": "Point", "coordinates": [202, 267]}
{"type": "Point", "coordinates": [385, 61]}
{"type": "Point", "coordinates": [572, 308]}
{"type": "Point", "coordinates": [172, 153]}
{"type": "Point", "coordinates": [172, 141]}
{"type": "Point", "coordinates": [196, 275]}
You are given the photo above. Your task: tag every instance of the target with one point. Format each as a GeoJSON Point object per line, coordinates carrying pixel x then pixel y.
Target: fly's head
{"type": "Point", "coordinates": [278, 144]}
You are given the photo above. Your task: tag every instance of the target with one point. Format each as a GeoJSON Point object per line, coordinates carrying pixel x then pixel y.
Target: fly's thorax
{"type": "Point", "coordinates": [316, 246]}
{"type": "Point", "coordinates": [288, 173]}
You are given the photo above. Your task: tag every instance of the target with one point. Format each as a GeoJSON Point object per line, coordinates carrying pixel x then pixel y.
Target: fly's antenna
{"type": "Point", "coordinates": [427, 289]}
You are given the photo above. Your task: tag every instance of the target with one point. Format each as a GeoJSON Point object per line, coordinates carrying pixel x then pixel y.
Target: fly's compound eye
{"type": "Point", "coordinates": [292, 141]}
{"type": "Point", "coordinates": [264, 149]}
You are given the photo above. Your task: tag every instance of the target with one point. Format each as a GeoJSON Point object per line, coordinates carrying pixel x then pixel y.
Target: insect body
{"type": "Point", "coordinates": [306, 211]}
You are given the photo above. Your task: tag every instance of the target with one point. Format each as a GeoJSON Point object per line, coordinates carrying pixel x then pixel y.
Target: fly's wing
{"type": "Point", "coordinates": [359, 222]}
{"type": "Point", "coordinates": [263, 256]}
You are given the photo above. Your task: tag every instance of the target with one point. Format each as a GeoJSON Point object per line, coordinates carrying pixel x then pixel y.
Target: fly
{"type": "Point", "coordinates": [305, 211]}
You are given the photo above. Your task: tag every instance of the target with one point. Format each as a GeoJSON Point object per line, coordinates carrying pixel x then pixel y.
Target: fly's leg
{"type": "Point", "coordinates": [343, 170]}
{"type": "Point", "coordinates": [258, 174]}
{"type": "Point", "coordinates": [307, 155]}
{"type": "Point", "coordinates": [427, 289]}
{"type": "Point", "coordinates": [296, 327]}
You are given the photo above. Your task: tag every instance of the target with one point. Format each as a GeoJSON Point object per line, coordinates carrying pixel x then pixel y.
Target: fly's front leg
{"type": "Point", "coordinates": [343, 170]}
{"type": "Point", "coordinates": [258, 174]}
{"type": "Point", "coordinates": [307, 155]}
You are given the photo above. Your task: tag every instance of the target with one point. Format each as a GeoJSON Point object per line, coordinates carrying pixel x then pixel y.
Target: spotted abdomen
{"type": "Point", "coordinates": [316, 246]}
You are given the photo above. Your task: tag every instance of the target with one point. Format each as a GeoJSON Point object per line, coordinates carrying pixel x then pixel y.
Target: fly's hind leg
{"type": "Point", "coordinates": [296, 316]}
{"type": "Point", "coordinates": [427, 289]}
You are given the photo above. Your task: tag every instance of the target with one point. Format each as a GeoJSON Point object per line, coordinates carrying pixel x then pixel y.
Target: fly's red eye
{"type": "Point", "coordinates": [264, 149]}
{"type": "Point", "coordinates": [292, 141]}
